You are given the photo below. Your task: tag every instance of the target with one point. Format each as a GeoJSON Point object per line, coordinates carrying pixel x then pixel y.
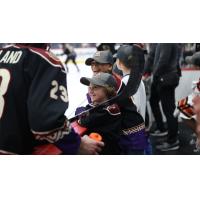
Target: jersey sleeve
{"type": "Point", "coordinates": [48, 101]}
{"type": "Point", "coordinates": [48, 98]}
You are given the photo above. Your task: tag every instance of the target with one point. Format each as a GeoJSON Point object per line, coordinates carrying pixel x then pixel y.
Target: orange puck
{"type": "Point", "coordinates": [95, 136]}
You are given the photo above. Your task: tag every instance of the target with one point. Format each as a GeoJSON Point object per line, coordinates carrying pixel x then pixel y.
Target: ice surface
{"type": "Point", "coordinates": [77, 91]}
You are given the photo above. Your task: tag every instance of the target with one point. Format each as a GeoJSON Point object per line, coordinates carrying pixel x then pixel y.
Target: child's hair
{"type": "Point", "coordinates": [110, 92]}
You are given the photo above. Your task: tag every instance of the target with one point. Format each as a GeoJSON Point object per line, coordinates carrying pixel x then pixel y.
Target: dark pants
{"type": "Point", "coordinates": [167, 97]}
{"type": "Point", "coordinates": [72, 58]}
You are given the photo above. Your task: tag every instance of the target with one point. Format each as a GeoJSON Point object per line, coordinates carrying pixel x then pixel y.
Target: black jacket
{"type": "Point", "coordinates": [163, 58]}
{"type": "Point", "coordinates": [107, 123]}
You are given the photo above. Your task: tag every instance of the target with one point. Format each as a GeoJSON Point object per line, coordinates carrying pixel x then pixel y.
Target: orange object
{"type": "Point", "coordinates": [95, 136]}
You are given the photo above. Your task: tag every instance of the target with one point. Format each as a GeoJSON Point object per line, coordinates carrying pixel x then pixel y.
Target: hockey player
{"type": "Point", "coordinates": [33, 100]}
{"type": "Point", "coordinates": [71, 55]}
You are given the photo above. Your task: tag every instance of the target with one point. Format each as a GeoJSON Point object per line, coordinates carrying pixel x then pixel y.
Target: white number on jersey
{"type": "Point", "coordinates": [54, 90]}
{"type": "Point", "coordinates": [4, 81]}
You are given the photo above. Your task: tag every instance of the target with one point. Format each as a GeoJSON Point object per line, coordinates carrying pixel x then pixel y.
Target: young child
{"type": "Point", "coordinates": [134, 142]}
{"type": "Point", "coordinates": [121, 134]}
{"type": "Point", "coordinates": [106, 121]}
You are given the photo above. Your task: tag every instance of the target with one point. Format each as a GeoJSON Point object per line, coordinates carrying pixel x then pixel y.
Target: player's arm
{"type": "Point", "coordinates": [47, 103]}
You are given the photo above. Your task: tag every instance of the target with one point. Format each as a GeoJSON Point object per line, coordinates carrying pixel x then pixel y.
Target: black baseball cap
{"type": "Point", "coordinates": [100, 79]}
{"type": "Point", "coordinates": [124, 53]}
{"type": "Point", "coordinates": [194, 59]}
{"type": "Point", "coordinates": [104, 57]}
{"type": "Point", "coordinates": [131, 56]}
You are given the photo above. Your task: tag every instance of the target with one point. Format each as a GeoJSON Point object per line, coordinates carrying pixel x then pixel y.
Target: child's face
{"type": "Point", "coordinates": [99, 67]}
{"type": "Point", "coordinates": [97, 94]}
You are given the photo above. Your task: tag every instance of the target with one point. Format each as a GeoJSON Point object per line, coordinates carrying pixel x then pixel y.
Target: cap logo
{"type": "Point", "coordinates": [97, 54]}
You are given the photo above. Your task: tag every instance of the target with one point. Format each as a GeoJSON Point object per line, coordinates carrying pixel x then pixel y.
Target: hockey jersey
{"type": "Point", "coordinates": [33, 99]}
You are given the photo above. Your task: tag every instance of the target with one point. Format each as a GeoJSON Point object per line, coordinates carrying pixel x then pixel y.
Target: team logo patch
{"type": "Point", "coordinates": [113, 109]}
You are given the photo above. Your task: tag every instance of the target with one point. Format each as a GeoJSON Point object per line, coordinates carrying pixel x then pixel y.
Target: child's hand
{"type": "Point", "coordinates": [89, 146]}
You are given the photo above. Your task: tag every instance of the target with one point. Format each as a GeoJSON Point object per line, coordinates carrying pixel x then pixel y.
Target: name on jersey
{"type": "Point", "coordinates": [11, 57]}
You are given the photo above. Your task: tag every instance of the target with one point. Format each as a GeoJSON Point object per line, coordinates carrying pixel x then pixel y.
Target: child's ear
{"type": "Point", "coordinates": [110, 68]}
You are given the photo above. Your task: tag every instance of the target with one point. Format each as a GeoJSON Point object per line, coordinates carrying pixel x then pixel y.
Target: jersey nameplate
{"type": "Point", "coordinates": [11, 57]}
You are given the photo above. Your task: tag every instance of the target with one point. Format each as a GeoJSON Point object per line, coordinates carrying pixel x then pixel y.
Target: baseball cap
{"type": "Point", "coordinates": [125, 53]}
{"type": "Point", "coordinates": [194, 59]}
{"type": "Point", "coordinates": [100, 79]}
{"type": "Point", "coordinates": [103, 57]}
{"type": "Point", "coordinates": [131, 56]}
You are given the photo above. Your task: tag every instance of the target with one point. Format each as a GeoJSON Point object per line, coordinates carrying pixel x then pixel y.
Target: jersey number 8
{"type": "Point", "coordinates": [4, 82]}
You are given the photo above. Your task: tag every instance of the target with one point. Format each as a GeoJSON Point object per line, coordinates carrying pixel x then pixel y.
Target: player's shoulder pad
{"type": "Point", "coordinates": [48, 56]}
{"type": "Point", "coordinates": [113, 109]}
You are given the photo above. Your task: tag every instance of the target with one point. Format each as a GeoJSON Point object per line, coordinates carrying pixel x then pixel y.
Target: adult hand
{"type": "Point", "coordinates": [89, 146]}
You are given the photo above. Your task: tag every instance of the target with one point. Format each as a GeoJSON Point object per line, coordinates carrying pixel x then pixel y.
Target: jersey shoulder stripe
{"type": "Point", "coordinates": [48, 56]}
{"type": "Point", "coordinates": [44, 54]}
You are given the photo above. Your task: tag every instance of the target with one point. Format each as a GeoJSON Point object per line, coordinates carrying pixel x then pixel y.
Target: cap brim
{"type": "Point", "coordinates": [89, 61]}
{"type": "Point", "coordinates": [87, 81]}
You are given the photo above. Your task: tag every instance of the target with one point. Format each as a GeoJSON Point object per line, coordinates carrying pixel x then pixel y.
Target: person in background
{"type": "Point", "coordinates": [102, 61]}
{"type": "Point", "coordinates": [106, 46]}
{"type": "Point", "coordinates": [185, 107]}
{"type": "Point", "coordinates": [166, 73]}
{"type": "Point", "coordinates": [135, 142]}
{"type": "Point", "coordinates": [71, 55]}
{"type": "Point", "coordinates": [196, 102]}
